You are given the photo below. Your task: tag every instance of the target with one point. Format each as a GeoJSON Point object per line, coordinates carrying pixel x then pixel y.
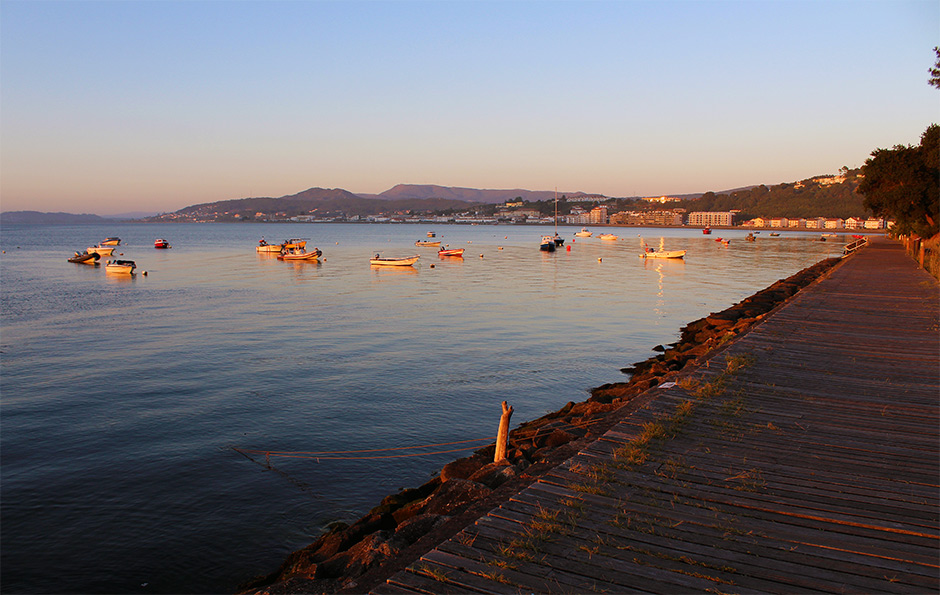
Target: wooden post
{"type": "Point", "coordinates": [502, 437]}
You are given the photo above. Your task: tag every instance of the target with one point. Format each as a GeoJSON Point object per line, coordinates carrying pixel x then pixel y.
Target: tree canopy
{"type": "Point", "coordinates": [903, 184]}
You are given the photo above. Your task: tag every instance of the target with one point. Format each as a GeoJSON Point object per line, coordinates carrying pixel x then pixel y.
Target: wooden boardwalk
{"type": "Point", "coordinates": [803, 458]}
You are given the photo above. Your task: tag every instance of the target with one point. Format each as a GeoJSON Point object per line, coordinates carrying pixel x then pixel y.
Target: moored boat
{"type": "Point", "coordinates": [394, 262]}
{"type": "Point", "coordinates": [707, 230]}
{"type": "Point", "coordinates": [264, 246]}
{"type": "Point", "coordinates": [547, 244]}
{"type": "Point", "coordinates": [450, 252]}
{"type": "Point", "coordinates": [125, 267]}
{"type": "Point", "coordinates": [161, 244]}
{"type": "Point", "coordinates": [431, 234]}
{"type": "Point", "coordinates": [299, 254]}
{"type": "Point", "coordinates": [584, 233]}
{"type": "Point", "coordinates": [111, 242]}
{"type": "Point", "coordinates": [650, 253]}
{"type": "Point", "coordinates": [100, 250]}
{"type": "Point", "coordinates": [85, 258]}
{"type": "Point", "coordinates": [607, 236]}
{"type": "Point", "coordinates": [431, 244]}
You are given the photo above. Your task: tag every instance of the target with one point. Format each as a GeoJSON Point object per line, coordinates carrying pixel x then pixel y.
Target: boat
{"type": "Point", "coordinates": [432, 244]}
{"type": "Point", "coordinates": [299, 254]}
{"type": "Point", "coordinates": [774, 234]}
{"type": "Point", "coordinates": [584, 233]}
{"type": "Point", "coordinates": [557, 238]}
{"type": "Point", "coordinates": [394, 262]}
{"type": "Point", "coordinates": [607, 236]}
{"type": "Point", "coordinates": [85, 258]}
{"type": "Point", "coordinates": [111, 242]}
{"type": "Point", "coordinates": [450, 252]}
{"type": "Point", "coordinates": [650, 253]}
{"type": "Point", "coordinates": [750, 237]}
{"type": "Point", "coordinates": [264, 246]}
{"type": "Point", "coordinates": [707, 231]}
{"type": "Point", "coordinates": [125, 267]}
{"type": "Point", "coordinates": [100, 250]}
{"type": "Point", "coordinates": [430, 234]}
{"type": "Point", "coordinates": [661, 253]}
{"type": "Point", "coordinates": [547, 244]}
{"type": "Point", "coordinates": [293, 243]}
{"type": "Point", "coordinates": [161, 244]}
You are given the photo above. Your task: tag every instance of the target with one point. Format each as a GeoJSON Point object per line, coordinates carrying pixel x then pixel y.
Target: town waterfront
{"type": "Point", "coordinates": [122, 398]}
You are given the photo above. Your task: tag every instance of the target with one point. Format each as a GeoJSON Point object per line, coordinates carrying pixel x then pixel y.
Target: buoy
{"type": "Point", "coordinates": [432, 266]}
{"type": "Point", "coordinates": [145, 273]}
{"type": "Point", "coordinates": [505, 237]}
{"type": "Point", "coordinates": [598, 260]}
{"type": "Point", "coordinates": [569, 248]}
{"type": "Point", "coordinates": [499, 247]}
{"type": "Point", "coordinates": [481, 256]}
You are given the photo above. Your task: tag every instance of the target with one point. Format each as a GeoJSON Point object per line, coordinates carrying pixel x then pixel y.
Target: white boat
{"type": "Point", "coordinates": [584, 233]}
{"type": "Point", "coordinates": [124, 267]}
{"type": "Point", "coordinates": [111, 242]}
{"type": "Point", "coordinates": [547, 244]}
{"type": "Point", "coordinates": [394, 262]}
{"type": "Point", "coordinates": [433, 244]}
{"type": "Point", "coordinates": [100, 250]}
{"type": "Point", "coordinates": [664, 254]}
{"type": "Point", "coordinates": [607, 236]}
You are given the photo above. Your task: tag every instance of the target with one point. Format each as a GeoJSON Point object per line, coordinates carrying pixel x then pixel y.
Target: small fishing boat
{"type": "Point", "coordinates": [299, 254]}
{"type": "Point", "coordinates": [293, 243]}
{"type": "Point", "coordinates": [432, 244]}
{"type": "Point", "coordinates": [650, 253]}
{"type": "Point", "coordinates": [547, 244]}
{"type": "Point", "coordinates": [100, 250]}
{"type": "Point", "coordinates": [774, 234]}
{"type": "Point", "coordinates": [584, 233]}
{"type": "Point", "coordinates": [558, 240]}
{"type": "Point", "coordinates": [394, 262]}
{"type": "Point", "coordinates": [450, 252]}
{"type": "Point", "coordinates": [607, 236]}
{"type": "Point", "coordinates": [85, 258]}
{"type": "Point", "coordinates": [430, 234]}
{"type": "Point", "coordinates": [264, 246]}
{"type": "Point", "coordinates": [124, 267]}
{"type": "Point", "coordinates": [707, 231]}
{"type": "Point", "coordinates": [161, 244]}
{"type": "Point", "coordinates": [111, 242]}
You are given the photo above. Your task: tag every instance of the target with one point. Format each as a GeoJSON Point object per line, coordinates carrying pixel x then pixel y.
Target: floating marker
{"type": "Point", "coordinates": [569, 248]}
{"type": "Point", "coordinates": [598, 260]}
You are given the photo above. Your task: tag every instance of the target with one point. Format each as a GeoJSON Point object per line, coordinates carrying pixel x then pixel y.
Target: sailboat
{"type": "Point", "coordinates": [557, 239]}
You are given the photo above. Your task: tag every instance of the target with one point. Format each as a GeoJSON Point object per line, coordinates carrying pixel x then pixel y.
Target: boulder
{"type": "Point", "coordinates": [454, 494]}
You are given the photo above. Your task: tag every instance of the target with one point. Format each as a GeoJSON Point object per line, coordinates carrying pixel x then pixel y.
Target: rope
{"type": "Point", "coordinates": [322, 455]}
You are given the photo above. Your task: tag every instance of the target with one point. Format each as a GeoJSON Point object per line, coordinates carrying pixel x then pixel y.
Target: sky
{"type": "Point", "coordinates": [135, 106]}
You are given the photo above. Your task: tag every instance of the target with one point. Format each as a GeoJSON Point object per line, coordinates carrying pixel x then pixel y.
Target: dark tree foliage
{"type": "Point", "coordinates": [794, 200]}
{"type": "Point", "coordinates": [935, 71]}
{"type": "Point", "coordinates": [903, 184]}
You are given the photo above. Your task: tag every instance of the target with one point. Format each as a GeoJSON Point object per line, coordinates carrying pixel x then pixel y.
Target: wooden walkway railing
{"type": "Point", "coordinates": [803, 458]}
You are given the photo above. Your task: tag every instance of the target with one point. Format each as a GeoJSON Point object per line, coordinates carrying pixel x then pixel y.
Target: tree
{"type": "Point", "coordinates": [935, 71]}
{"type": "Point", "coordinates": [903, 184]}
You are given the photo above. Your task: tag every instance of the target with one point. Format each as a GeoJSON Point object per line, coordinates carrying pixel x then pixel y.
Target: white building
{"type": "Point", "coordinates": [709, 218]}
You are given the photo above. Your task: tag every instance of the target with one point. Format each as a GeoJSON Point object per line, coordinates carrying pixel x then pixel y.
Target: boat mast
{"type": "Point", "coordinates": [556, 211]}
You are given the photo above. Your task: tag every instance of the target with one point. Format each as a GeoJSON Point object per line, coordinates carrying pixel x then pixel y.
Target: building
{"type": "Point", "coordinates": [598, 215]}
{"type": "Point", "coordinates": [711, 218]}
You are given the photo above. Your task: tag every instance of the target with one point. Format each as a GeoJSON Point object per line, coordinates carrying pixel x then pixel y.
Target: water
{"type": "Point", "coordinates": [123, 397]}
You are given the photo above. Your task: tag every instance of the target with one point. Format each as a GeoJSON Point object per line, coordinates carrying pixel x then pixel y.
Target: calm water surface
{"type": "Point", "coordinates": [122, 398]}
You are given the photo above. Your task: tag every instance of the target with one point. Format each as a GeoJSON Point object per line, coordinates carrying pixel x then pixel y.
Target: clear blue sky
{"type": "Point", "coordinates": [111, 107]}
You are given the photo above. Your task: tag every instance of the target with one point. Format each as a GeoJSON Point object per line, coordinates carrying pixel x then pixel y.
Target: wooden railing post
{"type": "Point", "coordinates": [502, 437]}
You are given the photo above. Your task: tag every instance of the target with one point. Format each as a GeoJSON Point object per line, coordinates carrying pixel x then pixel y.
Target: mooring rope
{"type": "Point", "coordinates": [329, 455]}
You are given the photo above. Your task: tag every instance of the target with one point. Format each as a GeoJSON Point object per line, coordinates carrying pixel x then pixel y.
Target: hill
{"type": "Point", "coordinates": [426, 191]}
{"type": "Point", "coordinates": [37, 218]}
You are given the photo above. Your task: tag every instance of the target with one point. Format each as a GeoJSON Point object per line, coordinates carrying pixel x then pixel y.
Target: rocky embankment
{"type": "Point", "coordinates": [354, 558]}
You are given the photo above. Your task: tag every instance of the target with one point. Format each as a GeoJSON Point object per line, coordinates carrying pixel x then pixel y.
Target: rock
{"type": "Point", "coordinates": [453, 494]}
{"type": "Point", "coordinates": [415, 528]}
{"type": "Point", "coordinates": [556, 438]}
{"type": "Point", "coordinates": [495, 474]}
{"type": "Point", "coordinates": [462, 468]}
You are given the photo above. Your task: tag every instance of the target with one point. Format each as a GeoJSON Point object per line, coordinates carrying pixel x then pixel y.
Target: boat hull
{"type": "Point", "coordinates": [420, 243]}
{"type": "Point", "coordinates": [665, 254]}
{"type": "Point", "coordinates": [455, 252]}
{"type": "Point", "coordinates": [121, 267]}
{"type": "Point", "coordinates": [85, 258]}
{"type": "Point", "coordinates": [111, 242]}
{"type": "Point", "coordinates": [301, 257]}
{"type": "Point", "coordinates": [394, 262]}
{"type": "Point", "coordinates": [101, 250]}
{"type": "Point", "coordinates": [161, 244]}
